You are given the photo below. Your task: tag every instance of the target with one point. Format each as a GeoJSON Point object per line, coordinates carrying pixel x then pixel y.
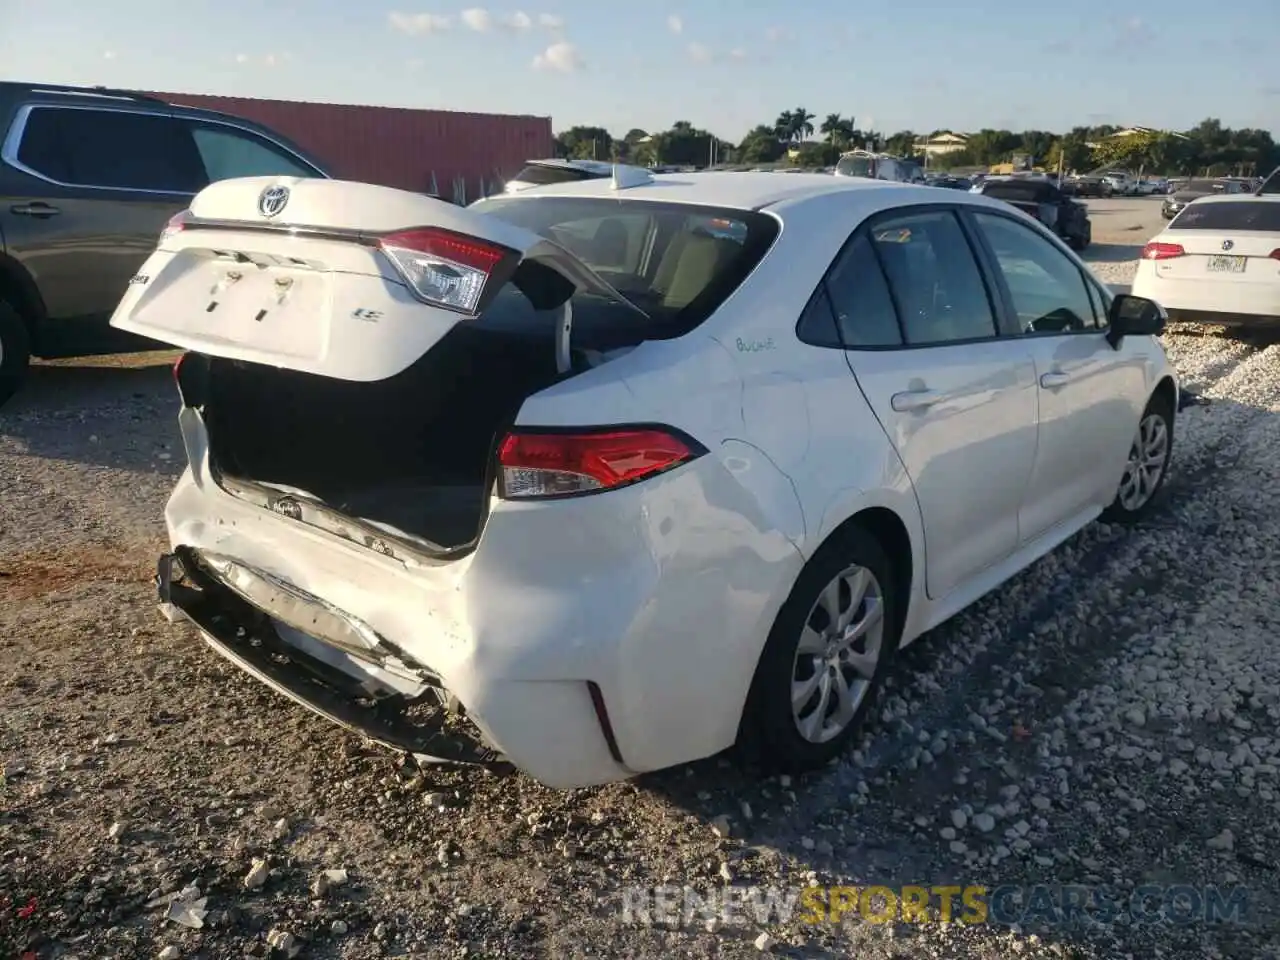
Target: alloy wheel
{"type": "Point", "coordinates": [1147, 459]}
{"type": "Point", "coordinates": [837, 655]}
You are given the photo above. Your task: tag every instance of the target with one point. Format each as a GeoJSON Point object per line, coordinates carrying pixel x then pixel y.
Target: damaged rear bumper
{"type": "Point", "coordinates": [228, 603]}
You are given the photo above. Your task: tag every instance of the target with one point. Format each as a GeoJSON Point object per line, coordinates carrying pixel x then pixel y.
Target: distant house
{"type": "Point", "coordinates": [939, 145]}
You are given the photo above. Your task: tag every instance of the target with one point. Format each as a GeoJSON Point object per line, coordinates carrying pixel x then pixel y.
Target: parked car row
{"type": "Point", "coordinates": [1185, 191]}
{"type": "Point", "coordinates": [1042, 200]}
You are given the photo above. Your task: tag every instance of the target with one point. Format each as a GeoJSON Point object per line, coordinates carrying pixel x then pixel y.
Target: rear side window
{"type": "Point", "coordinates": [677, 262]}
{"type": "Point", "coordinates": [542, 174]}
{"type": "Point", "coordinates": [111, 149]}
{"type": "Point", "coordinates": [860, 298]}
{"type": "Point", "coordinates": [1244, 215]}
{"type": "Point", "coordinates": [227, 152]}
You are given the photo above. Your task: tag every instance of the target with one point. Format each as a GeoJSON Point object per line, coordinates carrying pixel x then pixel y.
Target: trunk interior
{"type": "Point", "coordinates": [413, 452]}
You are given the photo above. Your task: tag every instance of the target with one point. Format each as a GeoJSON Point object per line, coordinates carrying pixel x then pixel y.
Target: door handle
{"type": "Point", "coordinates": [1051, 381]}
{"type": "Point", "coordinates": [34, 210]}
{"type": "Point", "coordinates": [913, 400]}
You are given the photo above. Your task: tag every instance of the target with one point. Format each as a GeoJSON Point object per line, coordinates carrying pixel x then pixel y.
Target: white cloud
{"type": "Point", "coordinates": [518, 21]}
{"type": "Point", "coordinates": [270, 60]}
{"type": "Point", "coordinates": [549, 21]}
{"type": "Point", "coordinates": [561, 57]}
{"type": "Point", "coordinates": [776, 35]}
{"type": "Point", "coordinates": [109, 55]}
{"type": "Point", "coordinates": [700, 53]}
{"type": "Point", "coordinates": [738, 53]}
{"type": "Point", "coordinates": [417, 24]}
{"type": "Point", "coordinates": [478, 19]}
{"type": "Point", "coordinates": [413, 66]}
{"type": "Point", "coordinates": [675, 24]}
{"type": "Point", "coordinates": [242, 58]}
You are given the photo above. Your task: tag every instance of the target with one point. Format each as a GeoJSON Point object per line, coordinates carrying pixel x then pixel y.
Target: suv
{"type": "Point", "coordinates": [878, 166]}
{"type": "Point", "coordinates": [89, 177]}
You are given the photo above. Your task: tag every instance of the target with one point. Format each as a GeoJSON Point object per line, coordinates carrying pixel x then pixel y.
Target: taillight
{"type": "Point", "coordinates": [1274, 254]}
{"type": "Point", "coordinates": [556, 464]}
{"type": "Point", "coordinates": [177, 223]}
{"type": "Point", "coordinates": [1162, 251]}
{"type": "Point", "coordinates": [444, 268]}
{"type": "Point", "coordinates": [177, 368]}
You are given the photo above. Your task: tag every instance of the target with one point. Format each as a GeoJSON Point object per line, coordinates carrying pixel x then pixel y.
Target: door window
{"type": "Point", "coordinates": [1049, 292]}
{"type": "Point", "coordinates": [227, 152]}
{"type": "Point", "coordinates": [934, 278]}
{"type": "Point", "coordinates": [110, 148]}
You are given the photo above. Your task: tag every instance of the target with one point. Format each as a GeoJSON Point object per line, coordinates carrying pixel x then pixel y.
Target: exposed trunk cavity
{"type": "Point", "coordinates": [412, 453]}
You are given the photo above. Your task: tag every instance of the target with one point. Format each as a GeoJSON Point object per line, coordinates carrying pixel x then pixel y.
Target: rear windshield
{"type": "Point", "coordinates": [676, 262]}
{"type": "Point", "coordinates": [855, 167]}
{"type": "Point", "coordinates": [1228, 216]}
{"type": "Point", "coordinates": [540, 174]}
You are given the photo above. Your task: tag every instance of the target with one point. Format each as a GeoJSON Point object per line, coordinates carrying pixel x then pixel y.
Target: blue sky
{"type": "Point", "coordinates": [896, 64]}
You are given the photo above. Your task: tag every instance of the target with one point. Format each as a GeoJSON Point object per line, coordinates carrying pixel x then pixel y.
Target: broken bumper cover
{"type": "Point", "coordinates": [247, 636]}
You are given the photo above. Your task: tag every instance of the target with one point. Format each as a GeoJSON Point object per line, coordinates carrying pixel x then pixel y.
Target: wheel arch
{"type": "Point", "coordinates": [18, 288]}
{"type": "Point", "coordinates": [892, 535]}
{"type": "Point", "coordinates": [1166, 392]}
{"type": "Point", "coordinates": [890, 531]}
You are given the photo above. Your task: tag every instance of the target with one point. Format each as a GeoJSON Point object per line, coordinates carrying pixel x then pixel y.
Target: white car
{"type": "Point", "coordinates": [482, 498]}
{"type": "Point", "coordinates": [1121, 183]}
{"type": "Point", "coordinates": [1218, 261]}
{"type": "Point", "coordinates": [540, 173]}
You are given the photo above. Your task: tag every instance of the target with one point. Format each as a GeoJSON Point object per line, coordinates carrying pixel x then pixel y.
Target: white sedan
{"type": "Point", "coordinates": [686, 487]}
{"type": "Point", "coordinates": [1217, 262]}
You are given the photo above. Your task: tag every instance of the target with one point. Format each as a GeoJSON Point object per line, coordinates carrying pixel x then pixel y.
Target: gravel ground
{"type": "Point", "coordinates": [1108, 718]}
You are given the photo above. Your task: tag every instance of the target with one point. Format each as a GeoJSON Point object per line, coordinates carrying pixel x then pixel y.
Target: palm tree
{"type": "Point", "coordinates": [802, 122]}
{"type": "Point", "coordinates": [833, 128]}
{"type": "Point", "coordinates": [784, 126]}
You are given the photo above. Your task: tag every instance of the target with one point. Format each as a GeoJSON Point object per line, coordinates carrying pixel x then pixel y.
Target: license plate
{"type": "Point", "coordinates": [1226, 264]}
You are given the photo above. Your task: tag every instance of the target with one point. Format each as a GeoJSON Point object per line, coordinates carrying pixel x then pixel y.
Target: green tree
{"type": "Point", "coordinates": [814, 154]}
{"type": "Point", "coordinates": [585, 143]}
{"type": "Point", "coordinates": [902, 143]}
{"type": "Point", "coordinates": [794, 126]}
{"type": "Point", "coordinates": [837, 129]}
{"type": "Point", "coordinates": [761, 145]}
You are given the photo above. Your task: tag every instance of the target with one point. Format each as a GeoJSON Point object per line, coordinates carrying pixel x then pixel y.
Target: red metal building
{"type": "Point", "coordinates": [395, 146]}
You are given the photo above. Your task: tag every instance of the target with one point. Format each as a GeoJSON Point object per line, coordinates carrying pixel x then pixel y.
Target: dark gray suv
{"type": "Point", "coordinates": [88, 179]}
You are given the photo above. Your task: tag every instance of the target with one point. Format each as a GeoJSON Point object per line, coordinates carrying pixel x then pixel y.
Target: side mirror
{"type": "Point", "coordinates": [1134, 316]}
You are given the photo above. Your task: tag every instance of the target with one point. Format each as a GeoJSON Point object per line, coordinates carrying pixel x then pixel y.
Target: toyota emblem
{"type": "Point", "coordinates": [1227, 244]}
{"type": "Point", "coordinates": [288, 507]}
{"type": "Point", "coordinates": [272, 200]}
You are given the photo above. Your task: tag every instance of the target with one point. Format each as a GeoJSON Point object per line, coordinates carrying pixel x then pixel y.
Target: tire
{"type": "Point", "coordinates": [1139, 489]}
{"type": "Point", "coordinates": [15, 351]}
{"type": "Point", "coordinates": [778, 737]}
